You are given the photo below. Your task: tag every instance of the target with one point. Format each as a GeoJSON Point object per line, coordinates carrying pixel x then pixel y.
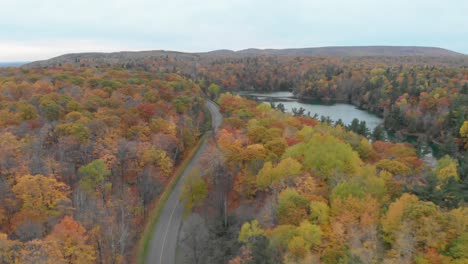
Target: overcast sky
{"type": "Point", "coordinates": [40, 29]}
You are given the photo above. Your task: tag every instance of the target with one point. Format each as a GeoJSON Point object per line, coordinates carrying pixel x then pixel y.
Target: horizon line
{"type": "Point", "coordinates": [233, 50]}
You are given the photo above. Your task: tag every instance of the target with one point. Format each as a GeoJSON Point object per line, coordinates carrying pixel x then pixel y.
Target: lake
{"type": "Point", "coordinates": [345, 112]}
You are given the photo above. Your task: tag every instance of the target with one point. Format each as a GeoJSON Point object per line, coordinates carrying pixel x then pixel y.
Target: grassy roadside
{"type": "Point", "coordinates": [153, 216]}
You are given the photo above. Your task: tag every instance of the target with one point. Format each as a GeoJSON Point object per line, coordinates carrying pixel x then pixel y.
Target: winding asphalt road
{"type": "Point", "coordinates": [164, 240]}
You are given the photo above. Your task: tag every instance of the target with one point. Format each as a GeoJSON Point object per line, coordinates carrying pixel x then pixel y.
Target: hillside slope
{"type": "Point", "coordinates": [358, 51]}
{"type": "Point", "coordinates": [142, 56]}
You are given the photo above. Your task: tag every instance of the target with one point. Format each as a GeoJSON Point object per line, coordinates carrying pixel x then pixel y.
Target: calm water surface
{"type": "Point", "coordinates": [345, 112]}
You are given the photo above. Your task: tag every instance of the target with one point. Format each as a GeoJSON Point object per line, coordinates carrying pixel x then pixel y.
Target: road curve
{"type": "Point", "coordinates": [163, 243]}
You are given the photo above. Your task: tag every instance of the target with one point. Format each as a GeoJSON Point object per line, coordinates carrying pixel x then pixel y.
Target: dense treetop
{"type": "Point", "coordinates": [84, 152]}
{"type": "Point", "coordinates": [323, 193]}
{"type": "Point", "coordinates": [86, 149]}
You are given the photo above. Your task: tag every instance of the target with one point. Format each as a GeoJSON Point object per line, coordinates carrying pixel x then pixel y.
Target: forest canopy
{"type": "Point", "coordinates": [84, 153]}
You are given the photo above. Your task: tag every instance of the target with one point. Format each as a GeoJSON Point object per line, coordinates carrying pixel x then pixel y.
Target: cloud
{"type": "Point", "coordinates": [193, 25]}
{"type": "Point", "coordinates": [25, 51]}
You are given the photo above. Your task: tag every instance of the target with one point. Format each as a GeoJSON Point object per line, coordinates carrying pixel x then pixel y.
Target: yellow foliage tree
{"type": "Point", "coordinates": [71, 238]}
{"type": "Point", "coordinates": [464, 134]}
{"type": "Point", "coordinates": [394, 167]}
{"type": "Point", "coordinates": [44, 252]}
{"type": "Point", "coordinates": [158, 157]}
{"type": "Point", "coordinates": [272, 177]}
{"type": "Point", "coordinates": [298, 248]}
{"type": "Point", "coordinates": [250, 229]}
{"type": "Point", "coordinates": [391, 221]}
{"type": "Point", "coordinates": [41, 194]}
{"type": "Point", "coordinates": [194, 191]}
{"type": "Point", "coordinates": [447, 167]}
{"type": "Point", "coordinates": [9, 249]}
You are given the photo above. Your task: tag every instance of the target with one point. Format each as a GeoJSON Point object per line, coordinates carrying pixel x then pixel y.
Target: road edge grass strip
{"type": "Point", "coordinates": [145, 240]}
{"type": "Point", "coordinates": [156, 211]}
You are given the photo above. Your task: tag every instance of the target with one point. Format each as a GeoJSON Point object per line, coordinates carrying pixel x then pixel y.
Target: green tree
{"type": "Point", "coordinates": [363, 130]}
{"type": "Point", "coordinates": [272, 177]}
{"type": "Point", "coordinates": [95, 178]}
{"type": "Point", "coordinates": [76, 130]}
{"type": "Point", "coordinates": [27, 111]}
{"type": "Point", "coordinates": [458, 247]}
{"type": "Point", "coordinates": [292, 207]}
{"type": "Point", "coordinates": [194, 191]}
{"type": "Point", "coordinates": [311, 233]}
{"type": "Point", "coordinates": [281, 235]}
{"type": "Point", "coordinates": [446, 193]}
{"type": "Point", "coordinates": [214, 90]}
{"type": "Point", "coordinates": [261, 252]}
{"type": "Point", "coordinates": [325, 155]}
{"type": "Point", "coordinates": [345, 189]}
{"type": "Point", "coordinates": [250, 230]}
{"type": "Point", "coordinates": [51, 111]}
{"type": "Point", "coordinates": [378, 133]}
{"type": "Point", "coordinates": [319, 212]}
{"type": "Point", "coordinates": [354, 126]}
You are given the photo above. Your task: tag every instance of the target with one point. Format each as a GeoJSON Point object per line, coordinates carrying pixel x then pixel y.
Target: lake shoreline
{"type": "Point", "coordinates": [335, 109]}
{"type": "Point", "coordinates": [306, 99]}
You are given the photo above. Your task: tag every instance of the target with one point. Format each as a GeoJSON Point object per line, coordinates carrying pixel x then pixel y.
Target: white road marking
{"type": "Point", "coordinates": [167, 230]}
{"type": "Point", "coordinates": [216, 119]}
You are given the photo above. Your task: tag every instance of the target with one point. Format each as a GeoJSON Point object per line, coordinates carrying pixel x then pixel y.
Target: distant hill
{"type": "Point", "coordinates": [111, 58]}
{"type": "Point", "coordinates": [13, 64]}
{"type": "Point", "coordinates": [139, 57]}
{"type": "Point", "coordinates": [358, 51]}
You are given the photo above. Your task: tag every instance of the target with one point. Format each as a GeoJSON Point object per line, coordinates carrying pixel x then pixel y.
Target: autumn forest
{"type": "Point", "coordinates": [92, 146]}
